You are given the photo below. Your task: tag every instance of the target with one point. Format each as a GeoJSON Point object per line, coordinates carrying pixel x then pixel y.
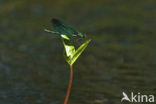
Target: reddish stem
{"type": "Point", "coordinates": [69, 85]}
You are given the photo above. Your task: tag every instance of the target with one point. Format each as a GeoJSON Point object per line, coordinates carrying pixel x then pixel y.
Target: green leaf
{"type": "Point", "coordinates": [69, 47]}
{"type": "Point", "coordinates": [79, 51]}
{"type": "Point", "coordinates": [67, 58]}
{"type": "Point", "coordinates": [70, 54]}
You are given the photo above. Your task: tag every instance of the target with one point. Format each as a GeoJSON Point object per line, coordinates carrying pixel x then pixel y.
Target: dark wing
{"type": "Point", "coordinates": [62, 28]}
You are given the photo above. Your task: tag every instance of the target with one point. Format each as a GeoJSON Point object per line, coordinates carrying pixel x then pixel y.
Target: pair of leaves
{"type": "Point", "coordinates": [70, 54]}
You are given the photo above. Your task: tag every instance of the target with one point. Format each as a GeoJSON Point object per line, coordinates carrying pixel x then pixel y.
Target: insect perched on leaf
{"type": "Point", "coordinates": [62, 28]}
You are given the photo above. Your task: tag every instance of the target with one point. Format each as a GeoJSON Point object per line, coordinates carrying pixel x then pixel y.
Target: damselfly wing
{"type": "Point", "coordinates": [65, 29]}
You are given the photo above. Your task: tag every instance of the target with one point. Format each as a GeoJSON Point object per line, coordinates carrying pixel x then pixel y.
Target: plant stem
{"type": "Point", "coordinates": [69, 85]}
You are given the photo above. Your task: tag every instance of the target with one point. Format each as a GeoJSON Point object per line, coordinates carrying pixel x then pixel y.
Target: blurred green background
{"type": "Point", "coordinates": [121, 56]}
